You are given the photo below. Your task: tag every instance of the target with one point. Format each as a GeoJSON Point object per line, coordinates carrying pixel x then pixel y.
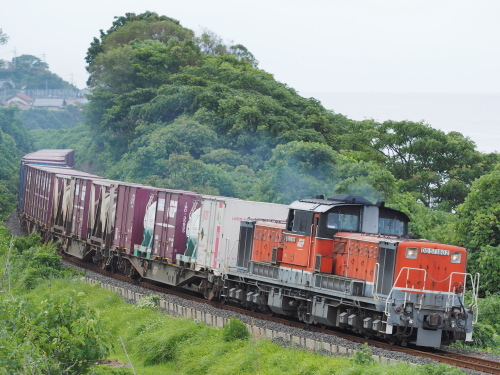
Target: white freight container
{"type": "Point", "coordinates": [219, 229]}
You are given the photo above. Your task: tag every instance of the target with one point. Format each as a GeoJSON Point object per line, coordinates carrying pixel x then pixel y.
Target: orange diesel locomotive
{"type": "Point", "coordinates": [348, 263]}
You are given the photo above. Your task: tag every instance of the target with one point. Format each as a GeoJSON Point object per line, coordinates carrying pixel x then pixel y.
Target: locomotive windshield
{"type": "Point", "coordinates": [392, 222]}
{"type": "Point", "coordinates": [346, 219]}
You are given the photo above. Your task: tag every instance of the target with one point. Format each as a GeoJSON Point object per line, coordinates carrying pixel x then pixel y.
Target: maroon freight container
{"type": "Point", "coordinates": [43, 199]}
{"type": "Point", "coordinates": [38, 195]}
{"type": "Point", "coordinates": [173, 210]}
{"type": "Point", "coordinates": [132, 203]}
{"type": "Point", "coordinates": [61, 204]}
{"type": "Point", "coordinates": [102, 207]}
{"type": "Point", "coordinates": [67, 199]}
{"type": "Point", "coordinates": [53, 157]}
{"type": "Point", "coordinates": [80, 205]}
{"type": "Point", "coordinates": [80, 214]}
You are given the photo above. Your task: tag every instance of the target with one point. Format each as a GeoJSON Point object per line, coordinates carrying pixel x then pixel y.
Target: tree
{"type": "Point", "coordinates": [478, 229]}
{"type": "Point", "coordinates": [211, 44]}
{"type": "Point", "coordinates": [242, 53]}
{"type": "Point", "coordinates": [437, 167]}
{"type": "Point", "coordinates": [33, 73]}
{"type": "Point", "coordinates": [479, 216]}
{"type": "Point", "coordinates": [144, 26]}
{"type": "Point", "coordinates": [4, 38]}
{"type": "Point", "coordinates": [149, 152]}
{"type": "Point", "coordinates": [367, 179]}
{"type": "Point", "coordinates": [28, 63]}
{"type": "Point", "coordinates": [487, 263]}
{"type": "Point", "coordinates": [183, 172]}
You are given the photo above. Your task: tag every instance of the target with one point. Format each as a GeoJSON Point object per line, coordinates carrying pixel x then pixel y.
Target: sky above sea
{"type": "Point", "coordinates": [475, 115]}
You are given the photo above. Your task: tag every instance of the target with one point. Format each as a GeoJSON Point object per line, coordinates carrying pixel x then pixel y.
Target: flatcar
{"type": "Point", "coordinates": [341, 261]}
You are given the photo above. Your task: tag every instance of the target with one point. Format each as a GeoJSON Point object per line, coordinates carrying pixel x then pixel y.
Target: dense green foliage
{"type": "Point", "coordinates": [14, 142]}
{"type": "Point", "coordinates": [42, 118]}
{"type": "Point", "coordinates": [57, 335]}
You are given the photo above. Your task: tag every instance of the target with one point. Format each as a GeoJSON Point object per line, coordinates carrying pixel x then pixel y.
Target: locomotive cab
{"type": "Point", "coordinates": [345, 213]}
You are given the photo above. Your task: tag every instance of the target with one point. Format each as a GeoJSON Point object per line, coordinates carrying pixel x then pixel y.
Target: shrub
{"type": "Point", "coordinates": [148, 302]}
{"type": "Point", "coordinates": [364, 356]}
{"type": "Point", "coordinates": [488, 310]}
{"type": "Point", "coordinates": [24, 243]}
{"type": "Point", "coordinates": [484, 336]}
{"type": "Point", "coordinates": [58, 335]}
{"type": "Point", "coordinates": [165, 349]}
{"type": "Point", "coordinates": [235, 330]}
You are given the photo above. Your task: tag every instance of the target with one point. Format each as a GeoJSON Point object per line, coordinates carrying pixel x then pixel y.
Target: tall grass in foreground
{"type": "Point", "coordinates": [159, 344]}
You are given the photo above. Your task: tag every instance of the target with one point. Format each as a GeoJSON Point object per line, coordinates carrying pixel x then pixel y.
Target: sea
{"type": "Point", "coordinates": [475, 115]}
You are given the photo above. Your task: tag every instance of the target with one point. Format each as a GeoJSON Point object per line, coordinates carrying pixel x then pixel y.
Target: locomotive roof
{"type": "Point", "coordinates": [323, 205]}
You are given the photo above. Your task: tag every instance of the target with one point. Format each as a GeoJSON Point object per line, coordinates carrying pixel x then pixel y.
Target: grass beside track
{"type": "Point", "coordinates": [160, 344]}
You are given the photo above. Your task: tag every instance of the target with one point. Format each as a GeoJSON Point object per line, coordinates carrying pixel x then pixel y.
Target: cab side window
{"type": "Point", "coordinates": [392, 222]}
{"type": "Point", "coordinates": [300, 222]}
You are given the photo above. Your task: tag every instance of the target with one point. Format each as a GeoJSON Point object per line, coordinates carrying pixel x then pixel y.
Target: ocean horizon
{"type": "Point", "coordinates": [475, 115]}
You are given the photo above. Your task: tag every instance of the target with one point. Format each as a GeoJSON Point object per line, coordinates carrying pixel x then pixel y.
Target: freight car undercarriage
{"type": "Point", "coordinates": [135, 267]}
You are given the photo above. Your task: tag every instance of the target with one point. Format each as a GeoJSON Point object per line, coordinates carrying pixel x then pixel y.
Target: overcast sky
{"type": "Point", "coordinates": [313, 46]}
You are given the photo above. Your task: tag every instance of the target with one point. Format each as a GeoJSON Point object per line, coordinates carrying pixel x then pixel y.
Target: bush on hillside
{"type": "Point", "coordinates": [235, 330]}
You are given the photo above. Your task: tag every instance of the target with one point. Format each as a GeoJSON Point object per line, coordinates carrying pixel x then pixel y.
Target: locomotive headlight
{"type": "Point", "coordinates": [411, 252]}
{"type": "Point", "coordinates": [456, 257]}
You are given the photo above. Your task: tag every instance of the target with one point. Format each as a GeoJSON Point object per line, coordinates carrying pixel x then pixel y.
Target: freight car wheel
{"type": "Point", "coordinates": [102, 263]}
{"type": "Point", "coordinates": [130, 272]}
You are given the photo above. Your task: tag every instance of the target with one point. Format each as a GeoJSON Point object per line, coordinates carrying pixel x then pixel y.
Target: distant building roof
{"type": "Point", "coordinates": [23, 97]}
{"type": "Point", "coordinates": [21, 100]}
{"type": "Point", "coordinates": [49, 103]}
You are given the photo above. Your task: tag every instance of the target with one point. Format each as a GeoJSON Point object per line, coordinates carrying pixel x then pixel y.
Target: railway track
{"type": "Point", "coordinates": [451, 358]}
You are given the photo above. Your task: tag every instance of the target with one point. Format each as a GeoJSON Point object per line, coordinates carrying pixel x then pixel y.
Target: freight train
{"type": "Point", "coordinates": [341, 261]}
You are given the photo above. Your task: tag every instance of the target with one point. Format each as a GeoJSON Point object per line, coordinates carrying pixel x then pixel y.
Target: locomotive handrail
{"type": "Point", "coordinates": [376, 270]}
{"type": "Point", "coordinates": [475, 287]}
{"type": "Point", "coordinates": [408, 269]}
